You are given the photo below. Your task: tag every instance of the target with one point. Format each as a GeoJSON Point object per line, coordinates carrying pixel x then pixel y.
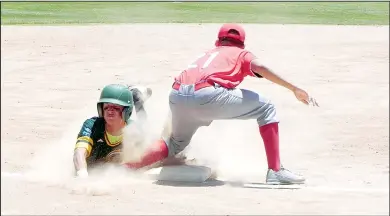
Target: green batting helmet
{"type": "Point", "coordinates": [119, 95]}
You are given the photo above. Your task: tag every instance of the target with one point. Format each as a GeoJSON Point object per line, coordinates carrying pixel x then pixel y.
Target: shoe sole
{"type": "Point", "coordinates": [273, 186]}
{"type": "Point", "coordinates": [284, 183]}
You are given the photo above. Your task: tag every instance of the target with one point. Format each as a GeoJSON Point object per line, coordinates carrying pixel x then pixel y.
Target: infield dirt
{"type": "Point", "coordinates": [51, 78]}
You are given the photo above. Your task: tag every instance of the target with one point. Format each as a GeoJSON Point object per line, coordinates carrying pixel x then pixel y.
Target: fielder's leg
{"type": "Point", "coordinates": [183, 125]}
{"type": "Point", "coordinates": [220, 103]}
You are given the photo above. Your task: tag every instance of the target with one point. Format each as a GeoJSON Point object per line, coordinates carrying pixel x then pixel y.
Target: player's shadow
{"type": "Point", "coordinates": [263, 186]}
{"type": "Point", "coordinates": [236, 184]}
{"type": "Point", "coordinates": [207, 183]}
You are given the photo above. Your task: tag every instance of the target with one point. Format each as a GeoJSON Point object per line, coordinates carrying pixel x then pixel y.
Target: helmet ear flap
{"type": "Point", "coordinates": [126, 113]}
{"type": "Point", "coordinates": [100, 109]}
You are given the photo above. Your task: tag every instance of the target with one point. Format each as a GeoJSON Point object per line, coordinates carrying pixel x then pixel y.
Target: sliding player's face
{"type": "Point", "coordinates": [113, 113]}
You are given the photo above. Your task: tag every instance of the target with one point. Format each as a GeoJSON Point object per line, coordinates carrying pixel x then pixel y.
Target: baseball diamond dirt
{"type": "Point", "coordinates": [51, 77]}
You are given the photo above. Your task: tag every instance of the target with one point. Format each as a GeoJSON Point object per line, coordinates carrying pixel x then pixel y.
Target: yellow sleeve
{"type": "Point", "coordinates": [84, 139]}
{"type": "Point", "coordinates": [85, 142]}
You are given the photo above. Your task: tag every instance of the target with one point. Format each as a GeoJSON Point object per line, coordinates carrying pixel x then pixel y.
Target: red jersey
{"type": "Point", "coordinates": [224, 65]}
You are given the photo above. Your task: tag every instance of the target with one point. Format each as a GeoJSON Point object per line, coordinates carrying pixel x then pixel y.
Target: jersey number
{"type": "Point", "coordinates": [207, 62]}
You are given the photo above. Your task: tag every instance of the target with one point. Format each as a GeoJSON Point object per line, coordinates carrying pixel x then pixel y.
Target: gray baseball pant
{"type": "Point", "coordinates": [192, 109]}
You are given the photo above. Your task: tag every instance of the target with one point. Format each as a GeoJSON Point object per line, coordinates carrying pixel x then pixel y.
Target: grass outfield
{"type": "Point", "coordinates": [343, 13]}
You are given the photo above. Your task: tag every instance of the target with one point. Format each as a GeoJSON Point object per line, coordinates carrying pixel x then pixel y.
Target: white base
{"type": "Point", "coordinates": [181, 173]}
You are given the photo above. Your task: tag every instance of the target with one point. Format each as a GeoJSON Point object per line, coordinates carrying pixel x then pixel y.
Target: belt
{"type": "Point", "coordinates": [198, 86]}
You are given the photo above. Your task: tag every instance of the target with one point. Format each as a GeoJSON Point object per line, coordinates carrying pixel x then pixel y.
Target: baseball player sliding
{"type": "Point", "coordinates": [100, 138]}
{"type": "Point", "coordinates": [207, 91]}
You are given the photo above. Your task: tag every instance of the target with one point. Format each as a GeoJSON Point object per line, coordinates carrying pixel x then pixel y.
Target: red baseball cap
{"type": "Point", "coordinates": [225, 32]}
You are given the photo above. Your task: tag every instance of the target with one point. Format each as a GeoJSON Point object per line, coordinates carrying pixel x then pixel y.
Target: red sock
{"type": "Point", "coordinates": [157, 152]}
{"type": "Point", "coordinates": [270, 135]}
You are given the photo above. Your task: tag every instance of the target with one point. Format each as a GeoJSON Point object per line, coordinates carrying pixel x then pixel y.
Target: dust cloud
{"type": "Point", "coordinates": [221, 146]}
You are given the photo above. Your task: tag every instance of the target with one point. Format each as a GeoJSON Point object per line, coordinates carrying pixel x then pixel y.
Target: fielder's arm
{"type": "Point", "coordinates": [300, 94]}
{"type": "Point", "coordinates": [266, 73]}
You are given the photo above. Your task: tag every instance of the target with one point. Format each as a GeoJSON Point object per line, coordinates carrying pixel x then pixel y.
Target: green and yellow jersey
{"type": "Point", "coordinates": [100, 145]}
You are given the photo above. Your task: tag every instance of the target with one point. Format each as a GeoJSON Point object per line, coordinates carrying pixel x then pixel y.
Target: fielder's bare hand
{"type": "Point", "coordinates": [304, 97]}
